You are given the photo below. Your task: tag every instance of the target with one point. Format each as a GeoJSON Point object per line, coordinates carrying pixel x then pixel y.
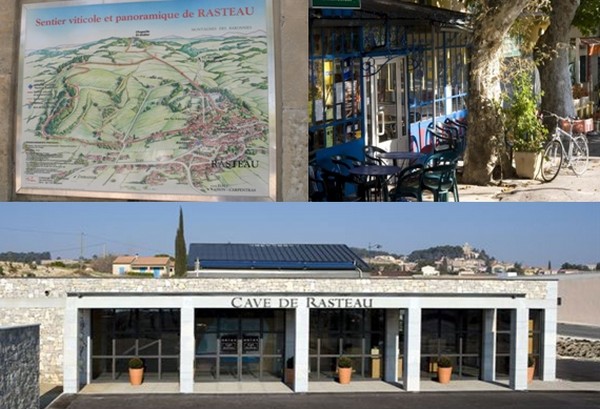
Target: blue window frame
{"type": "Point", "coordinates": [338, 50]}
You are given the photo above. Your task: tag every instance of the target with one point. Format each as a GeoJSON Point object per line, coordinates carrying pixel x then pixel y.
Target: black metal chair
{"type": "Point", "coordinates": [372, 155]}
{"type": "Point", "coordinates": [408, 185]}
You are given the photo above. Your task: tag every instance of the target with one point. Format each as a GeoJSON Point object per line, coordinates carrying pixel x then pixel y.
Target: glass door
{"type": "Point", "coordinates": [387, 113]}
{"type": "Point", "coordinates": [234, 345]}
{"type": "Point", "coordinates": [250, 348]}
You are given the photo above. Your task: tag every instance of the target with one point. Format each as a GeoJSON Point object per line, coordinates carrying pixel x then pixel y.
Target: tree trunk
{"type": "Point", "coordinates": [555, 77]}
{"type": "Point", "coordinates": [486, 144]}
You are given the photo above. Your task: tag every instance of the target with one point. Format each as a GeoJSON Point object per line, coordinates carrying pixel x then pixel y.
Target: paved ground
{"type": "Point", "coordinates": [528, 400]}
{"type": "Point", "coordinates": [567, 187]}
{"type": "Point", "coordinates": [578, 387]}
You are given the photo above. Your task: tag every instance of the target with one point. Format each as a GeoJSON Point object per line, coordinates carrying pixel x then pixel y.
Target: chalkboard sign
{"type": "Point", "coordinates": [229, 344]}
{"type": "Point", "coordinates": [250, 343]}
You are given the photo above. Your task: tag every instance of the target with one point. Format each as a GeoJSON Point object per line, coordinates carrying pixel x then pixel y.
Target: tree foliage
{"type": "Point", "coordinates": [572, 266]}
{"type": "Point", "coordinates": [180, 250]}
{"type": "Point", "coordinates": [25, 257]}
{"type": "Point", "coordinates": [587, 18]}
{"type": "Point", "coordinates": [103, 264]}
{"type": "Point", "coordinates": [433, 254]}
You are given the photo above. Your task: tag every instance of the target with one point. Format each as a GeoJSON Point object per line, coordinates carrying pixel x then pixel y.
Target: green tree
{"type": "Point", "coordinates": [180, 251]}
{"type": "Point", "coordinates": [486, 151]}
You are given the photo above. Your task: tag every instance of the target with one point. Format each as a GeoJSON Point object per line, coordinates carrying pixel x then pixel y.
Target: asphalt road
{"type": "Point", "coordinates": [579, 331]}
{"type": "Point", "coordinates": [487, 400]}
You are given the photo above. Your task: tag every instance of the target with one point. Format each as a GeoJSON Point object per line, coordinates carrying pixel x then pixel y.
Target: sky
{"type": "Point", "coordinates": [529, 233]}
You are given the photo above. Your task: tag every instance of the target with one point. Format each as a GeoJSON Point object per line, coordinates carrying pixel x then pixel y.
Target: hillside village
{"type": "Point", "coordinates": [436, 261]}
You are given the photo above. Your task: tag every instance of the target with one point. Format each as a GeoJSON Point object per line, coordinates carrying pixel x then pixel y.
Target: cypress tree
{"type": "Point", "coordinates": [180, 251]}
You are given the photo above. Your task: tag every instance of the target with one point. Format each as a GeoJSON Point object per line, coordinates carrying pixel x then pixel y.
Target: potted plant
{"type": "Point", "coordinates": [444, 369]}
{"type": "Point", "coordinates": [344, 369]}
{"type": "Point", "coordinates": [525, 129]}
{"type": "Point", "coordinates": [289, 371]}
{"type": "Point", "coordinates": [136, 371]}
{"type": "Point", "coordinates": [530, 368]}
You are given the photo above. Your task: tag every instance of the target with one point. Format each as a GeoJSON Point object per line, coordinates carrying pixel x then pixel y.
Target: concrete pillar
{"type": "Point", "coordinates": [71, 348]}
{"type": "Point", "coordinates": [291, 66]}
{"type": "Point", "coordinates": [488, 361]}
{"type": "Point", "coordinates": [187, 350]}
{"type": "Point", "coordinates": [547, 366]}
{"type": "Point", "coordinates": [392, 319]}
{"type": "Point", "coordinates": [301, 364]}
{"type": "Point", "coordinates": [412, 350]}
{"type": "Point", "coordinates": [519, 336]}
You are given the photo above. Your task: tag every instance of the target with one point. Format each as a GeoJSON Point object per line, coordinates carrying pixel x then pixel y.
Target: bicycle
{"type": "Point", "coordinates": [576, 156]}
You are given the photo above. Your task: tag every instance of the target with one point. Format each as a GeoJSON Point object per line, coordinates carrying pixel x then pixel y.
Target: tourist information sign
{"type": "Point", "coordinates": [151, 100]}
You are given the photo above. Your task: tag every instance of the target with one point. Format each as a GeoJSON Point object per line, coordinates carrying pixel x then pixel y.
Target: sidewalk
{"type": "Point", "coordinates": [567, 187]}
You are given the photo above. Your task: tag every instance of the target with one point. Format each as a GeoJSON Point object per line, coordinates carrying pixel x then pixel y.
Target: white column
{"type": "Point", "coordinates": [577, 65]}
{"type": "Point", "coordinates": [519, 336]}
{"type": "Point", "coordinates": [547, 366]}
{"type": "Point", "coordinates": [301, 363]}
{"type": "Point", "coordinates": [412, 350]}
{"type": "Point", "coordinates": [488, 362]}
{"type": "Point", "coordinates": [187, 350]}
{"type": "Point", "coordinates": [70, 348]}
{"type": "Point", "coordinates": [392, 318]}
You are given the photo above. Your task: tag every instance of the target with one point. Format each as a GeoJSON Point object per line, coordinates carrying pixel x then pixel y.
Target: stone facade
{"type": "Point", "coordinates": [37, 288]}
{"type": "Point", "coordinates": [29, 301]}
{"type": "Point", "coordinates": [578, 348]}
{"type": "Point", "coordinates": [19, 375]}
{"type": "Point", "coordinates": [290, 25]}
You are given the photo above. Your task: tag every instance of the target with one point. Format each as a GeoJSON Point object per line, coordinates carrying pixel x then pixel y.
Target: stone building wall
{"type": "Point", "coordinates": [50, 288]}
{"type": "Point", "coordinates": [30, 301]}
{"type": "Point", "coordinates": [19, 373]}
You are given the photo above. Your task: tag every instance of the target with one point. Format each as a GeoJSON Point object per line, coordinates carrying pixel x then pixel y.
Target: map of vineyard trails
{"type": "Point", "coordinates": [172, 115]}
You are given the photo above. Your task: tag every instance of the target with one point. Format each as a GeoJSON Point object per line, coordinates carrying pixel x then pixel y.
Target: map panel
{"type": "Point", "coordinates": [151, 100]}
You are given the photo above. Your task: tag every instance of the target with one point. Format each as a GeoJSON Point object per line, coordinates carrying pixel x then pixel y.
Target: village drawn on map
{"type": "Point", "coordinates": [175, 115]}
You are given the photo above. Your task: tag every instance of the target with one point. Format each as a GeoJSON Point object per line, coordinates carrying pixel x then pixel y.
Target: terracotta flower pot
{"type": "Point", "coordinates": [136, 376]}
{"type": "Point", "coordinates": [289, 376]}
{"type": "Point", "coordinates": [444, 375]}
{"type": "Point", "coordinates": [530, 373]}
{"type": "Point", "coordinates": [344, 374]}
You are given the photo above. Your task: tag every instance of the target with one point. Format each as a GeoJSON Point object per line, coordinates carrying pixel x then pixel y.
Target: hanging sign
{"type": "Point", "coordinates": [336, 4]}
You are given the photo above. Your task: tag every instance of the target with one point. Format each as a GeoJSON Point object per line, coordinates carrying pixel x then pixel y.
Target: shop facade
{"type": "Point", "coordinates": [246, 330]}
{"type": "Point", "coordinates": [382, 75]}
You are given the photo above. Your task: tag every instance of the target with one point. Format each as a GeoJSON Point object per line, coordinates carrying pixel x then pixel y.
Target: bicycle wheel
{"type": "Point", "coordinates": [579, 155]}
{"type": "Point", "coordinates": [551, 160]}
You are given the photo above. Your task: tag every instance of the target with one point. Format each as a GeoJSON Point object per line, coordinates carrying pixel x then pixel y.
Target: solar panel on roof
{"type": "Point", "coordinates": [275, 256]}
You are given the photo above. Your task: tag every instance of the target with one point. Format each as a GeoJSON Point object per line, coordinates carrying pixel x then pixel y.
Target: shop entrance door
{"type": "Point", "coordinates": [240, 349]}
{"type": "Point", "coordinates": [239, 345]}
{"type": "Point", "coordinates": [386, 109]}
